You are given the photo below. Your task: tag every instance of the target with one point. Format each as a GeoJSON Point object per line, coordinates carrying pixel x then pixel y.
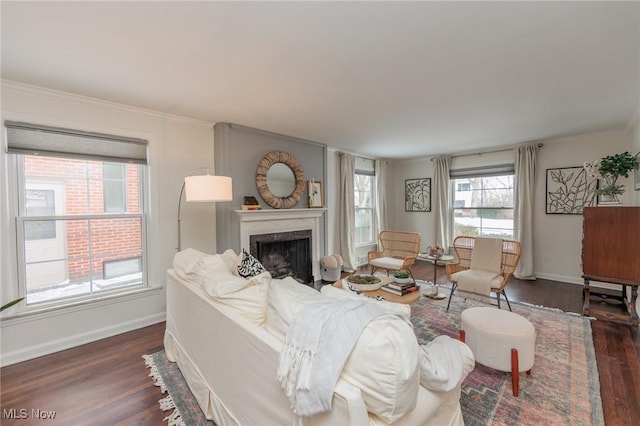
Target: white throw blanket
{"type": "Point", "coordinates": [319, 341]}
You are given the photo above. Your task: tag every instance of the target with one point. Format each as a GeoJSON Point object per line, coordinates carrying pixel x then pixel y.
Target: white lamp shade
{"type": "Point", "coordinates": [208, 188]}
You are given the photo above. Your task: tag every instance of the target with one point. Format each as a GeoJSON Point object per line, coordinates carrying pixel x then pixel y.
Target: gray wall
{"type": "Point", "coordinates": [237, 152]}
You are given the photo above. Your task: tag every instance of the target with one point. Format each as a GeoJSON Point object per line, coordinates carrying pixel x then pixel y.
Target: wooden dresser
{"type": "Point", "coordinates": [611, 254]}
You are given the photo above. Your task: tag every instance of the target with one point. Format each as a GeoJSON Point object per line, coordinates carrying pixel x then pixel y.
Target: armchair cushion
{"type": "Point", "coordinates": [477, 280]}
{"type": "Point", "coordinates": [387, 263]}
{"type": "Point", "coordinates": [477, 284]}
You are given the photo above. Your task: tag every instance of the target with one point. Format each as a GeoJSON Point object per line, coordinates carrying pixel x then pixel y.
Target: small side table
{"type": "Point", "coordinates": [436, 260]}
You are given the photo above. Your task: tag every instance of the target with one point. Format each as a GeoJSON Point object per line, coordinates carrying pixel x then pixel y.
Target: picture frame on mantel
{"type": "Point", "coordinates": [314, 189]}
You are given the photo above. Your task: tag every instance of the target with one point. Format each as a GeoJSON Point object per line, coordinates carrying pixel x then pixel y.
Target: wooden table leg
{"type": "Point", "coordinates": [585, 294]}
{"type": "Point", "coordinates": [515, 374]}
{"type": "Point", "coordinates": [631, 306]}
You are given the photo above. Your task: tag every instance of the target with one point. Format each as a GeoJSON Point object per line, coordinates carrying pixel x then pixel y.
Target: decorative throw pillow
{"type": "Point", "coordinates": [249, 265]}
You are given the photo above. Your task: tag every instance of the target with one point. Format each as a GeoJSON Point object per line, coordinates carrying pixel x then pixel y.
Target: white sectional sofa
{"type": "Point", "coordinates": [225, 332]}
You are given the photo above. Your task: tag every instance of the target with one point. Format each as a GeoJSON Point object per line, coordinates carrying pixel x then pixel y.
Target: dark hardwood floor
{"type": "Point", "coordinates": [106, 382]}
{"type": "Point", "coordinates": [100, 383]}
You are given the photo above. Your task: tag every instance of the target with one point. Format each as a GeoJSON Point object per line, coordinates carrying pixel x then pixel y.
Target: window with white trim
{"type": "Point", "coordinates": [483, 202]}
{"type": "Point", "coordinates": [80, 215]}
{"type": "Point", "coordinates": [364, 199]}
{"type": "Point", "coordinates": [364, 195]}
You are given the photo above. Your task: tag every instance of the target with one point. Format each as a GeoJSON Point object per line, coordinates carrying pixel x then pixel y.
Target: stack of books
{"type": "Point", "coordinates": [250, 203]}
{"type": "Point", "coordinates": [400, 289]}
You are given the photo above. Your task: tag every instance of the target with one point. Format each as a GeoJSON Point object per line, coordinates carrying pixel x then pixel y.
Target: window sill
{"type": "Point", "coordinates": [76, 306]}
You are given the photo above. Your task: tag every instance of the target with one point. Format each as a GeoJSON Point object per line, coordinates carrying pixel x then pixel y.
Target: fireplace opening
{"type": "Point", "coordinates": [284, 254]}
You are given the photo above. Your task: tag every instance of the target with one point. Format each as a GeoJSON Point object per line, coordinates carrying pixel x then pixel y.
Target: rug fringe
{"type": "Point", "coordinates": [154, 373]}
{"type": "Point", "coordinates": [166, 403]}
{"type": "Point", "coordinates": [546, 308]}
{"type": "Point", "coordinates": [175, 418]}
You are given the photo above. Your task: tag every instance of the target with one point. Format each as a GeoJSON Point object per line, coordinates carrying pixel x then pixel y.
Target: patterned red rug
{"type": "Point", "coordinates": [563, 387]}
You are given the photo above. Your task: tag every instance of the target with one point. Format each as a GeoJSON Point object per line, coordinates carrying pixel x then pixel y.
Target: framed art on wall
{"type": "Point", "coordinates": [569, 190]}
{"type": "Point", "coordinates": [314, 188]}
{"type": "Point", "coordinates": [417, 195]}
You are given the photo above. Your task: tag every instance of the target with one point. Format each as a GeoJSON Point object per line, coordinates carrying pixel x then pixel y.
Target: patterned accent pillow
{"type": "Point", "coordinates": [249, 266]}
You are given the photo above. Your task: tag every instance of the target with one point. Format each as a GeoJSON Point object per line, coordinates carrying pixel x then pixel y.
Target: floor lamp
{"type": "Point", "coordinates": [203, 189]}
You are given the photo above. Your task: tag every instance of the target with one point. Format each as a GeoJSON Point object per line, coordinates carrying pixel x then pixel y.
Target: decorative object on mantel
{"type": "Point", "coordinates": [280, 180]}
{"type": "Point", "coordinates": [314, 188]}
{"type": "Point", "coordinates": [569, 190]}
{"type": "Point", "coordinates": [609, 169]}
{"type": "Point", "coordinates": [203, 189]}
{"type": "Point", "coordinates": [250, 203]}
{"type": "Point", "coordinates": [417, 195]}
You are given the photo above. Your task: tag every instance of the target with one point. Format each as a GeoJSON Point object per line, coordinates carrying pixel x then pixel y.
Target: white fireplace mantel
{"type": "Point", "coordinates": [256, 222]}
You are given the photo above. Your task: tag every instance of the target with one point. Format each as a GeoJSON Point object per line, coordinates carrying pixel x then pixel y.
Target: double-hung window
{"type": "Point", "coordinates": [483, 201]}
{"type": "Point", "coordinates": [80, 215]}
{"type": "Point", "coordinates": [364, 203]}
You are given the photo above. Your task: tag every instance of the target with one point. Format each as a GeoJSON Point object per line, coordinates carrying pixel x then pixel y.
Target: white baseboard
{"type": "Point", "coordinates": [561, 278]}
{"type": "Point", "coordinates": [578, 281]}
{"type": "Point", "coordinates": [47, 348]}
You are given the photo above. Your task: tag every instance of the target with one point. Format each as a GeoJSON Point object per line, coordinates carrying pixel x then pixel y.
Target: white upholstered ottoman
{"type": "Point", "coordinates": [499, 339]}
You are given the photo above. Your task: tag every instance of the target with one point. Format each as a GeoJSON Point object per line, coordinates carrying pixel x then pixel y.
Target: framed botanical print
{"type": "Point", "coordinates": [417, 195]}
{"type": "Point", "coordinates": [569, 190]}
{"type": "Point", "coordinates": [314, 188]}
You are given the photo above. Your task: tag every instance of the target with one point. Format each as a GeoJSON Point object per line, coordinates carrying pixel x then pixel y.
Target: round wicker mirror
{"type": "Point", "coordinates": [277, 202]}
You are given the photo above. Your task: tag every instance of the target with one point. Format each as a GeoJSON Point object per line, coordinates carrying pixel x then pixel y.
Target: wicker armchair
{"type": "Point", "coordinates": [398, 251]}
{"type": "Point", "coordinates": [510, 258]}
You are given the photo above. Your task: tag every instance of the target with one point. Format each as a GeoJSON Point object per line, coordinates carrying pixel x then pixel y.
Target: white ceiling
{"type": "Point", "coordinates": [384, 79]}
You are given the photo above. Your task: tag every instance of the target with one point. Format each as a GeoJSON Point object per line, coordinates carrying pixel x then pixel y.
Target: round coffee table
{"type": "Point", "coordinates": [389, 297]}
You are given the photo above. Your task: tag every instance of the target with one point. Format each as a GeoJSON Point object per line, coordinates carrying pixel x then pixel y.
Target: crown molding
{"type": "Point", "coordinates": [97, 101]}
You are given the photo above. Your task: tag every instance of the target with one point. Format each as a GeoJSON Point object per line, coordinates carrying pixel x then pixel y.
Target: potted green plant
{"type": "Point", "coordinates": [609, 169]}
{"type": "Point", "coordinates": [402, 276]}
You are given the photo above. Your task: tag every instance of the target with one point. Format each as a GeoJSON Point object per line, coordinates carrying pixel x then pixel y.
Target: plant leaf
{"type": "Point", "coordinates": [10, 304]}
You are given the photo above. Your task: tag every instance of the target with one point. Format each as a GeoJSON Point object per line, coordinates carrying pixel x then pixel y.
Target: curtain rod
{"type": "Point", "coordinates": [540, 145]}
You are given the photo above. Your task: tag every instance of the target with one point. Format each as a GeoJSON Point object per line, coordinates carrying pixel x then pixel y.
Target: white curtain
{"type": "Point", "coordinates": [381, 204]}
{"type": "Point", "coordinates": [525, 179]}
{"type": "Point", "coordinates": [442, 192]}
{"type": "Point", "coordinates": [346, 209]}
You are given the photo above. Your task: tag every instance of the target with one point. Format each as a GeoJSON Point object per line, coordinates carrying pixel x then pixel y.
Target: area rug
{"type": "Point", "coordinates": [562, 389]}
{"type": "Point", "coordinates": [183, 406]}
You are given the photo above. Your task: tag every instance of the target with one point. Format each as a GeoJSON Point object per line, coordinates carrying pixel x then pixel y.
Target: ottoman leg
{"type": "Point", "coordinates": [515, 375]}
{"type": "Point", "coordinates": [462, 336]}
